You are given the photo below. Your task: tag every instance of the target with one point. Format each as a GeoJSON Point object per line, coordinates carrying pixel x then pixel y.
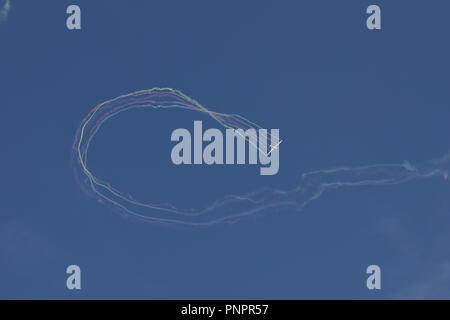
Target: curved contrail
{"type": "Point", "coordinates": [228, 208]}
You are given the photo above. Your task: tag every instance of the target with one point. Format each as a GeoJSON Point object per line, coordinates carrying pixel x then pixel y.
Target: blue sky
{"type": "Point", "coordinates": [339, 93]}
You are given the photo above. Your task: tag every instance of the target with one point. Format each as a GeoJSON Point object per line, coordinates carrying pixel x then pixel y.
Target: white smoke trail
{"type": "Point", "coordinates": [4, 11]}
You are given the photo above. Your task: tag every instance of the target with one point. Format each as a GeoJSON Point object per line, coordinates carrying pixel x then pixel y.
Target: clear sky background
{"type": "Point", "coordinates": [339, 93]}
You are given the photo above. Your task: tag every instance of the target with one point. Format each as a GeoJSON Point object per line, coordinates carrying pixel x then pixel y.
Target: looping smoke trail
{"type": "Point", "coordinates": [232, 207]}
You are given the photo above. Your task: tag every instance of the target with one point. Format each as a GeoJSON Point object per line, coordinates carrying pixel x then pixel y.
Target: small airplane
{"type": "Point", "coordinates": [274, 147]}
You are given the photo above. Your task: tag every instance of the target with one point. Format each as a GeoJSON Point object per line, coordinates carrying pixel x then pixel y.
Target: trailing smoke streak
{"type": "Point", "coordinates": [230, 208]}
